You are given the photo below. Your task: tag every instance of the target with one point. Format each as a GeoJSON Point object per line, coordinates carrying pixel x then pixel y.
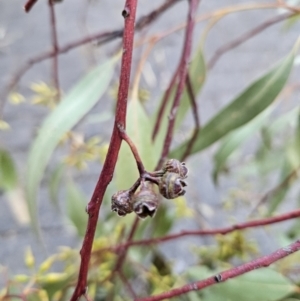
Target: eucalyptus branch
{"type": "Point", "coordinates": [29, 4]}
{"type": "Point", "coordinates": [194, 106]}
{"type": "Point", "coordinates": [246, 36]}
{"type": "Point", "coordinates": [183, 69]}
{"type": "Point", "coordinates": [225, 230]}
{"type": "Point", "coordinates": [93, 207]}
{"type": "Point", "coordinates": [258, 263]}
{"type": "Point", "coordinates": [55, 48]}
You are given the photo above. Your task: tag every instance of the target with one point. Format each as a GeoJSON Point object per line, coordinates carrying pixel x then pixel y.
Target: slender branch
{"type": "Point", "coordinates": [133, 148]}
{"type": "Point", "coordinates": [127, 285]}
{"type": "Point", "coordinates": [183, 68]}
{"type": "Point", "coordinates": [29, 4]}
{"type": "Point", "coordinates": [55, 48]}
{"type": "Point", "coordinates": [113, 151]}
{"type": "Point", "coordinates": [246, 36]}
{"type": "Point", "coordinates": [283, 184]}
{"type": "Point", "coordinates": [258, 263]}
{"type": "Point", "coordinates": [250, 224]}
{"type": "Point", "coordinates": [164, 103]}
{"type": "Point", "coordinates": [195, 115]}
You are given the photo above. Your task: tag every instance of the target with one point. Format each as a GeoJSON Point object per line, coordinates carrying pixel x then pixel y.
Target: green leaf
{"type": "Point", "coordinates": [290, 166]}
{"type": "Point", "coordinates": [8, 173]}
{"type": "Point", "coordinates": [257, 97]}
{"type": "Point", "coordinates": [55, 182]}
{"type": "Point", "coordinates": [71, 109]}
{"type": "Point", "coordinates": [262, 284]}
{"type": "Point", "coordinates": [76, 204]}
{"type": "Point", "coordinates": [197, 74]}
{"type": "Point", "coordinates": [234, 139]}
{"type": "Point", "coordinates": [139, 130]}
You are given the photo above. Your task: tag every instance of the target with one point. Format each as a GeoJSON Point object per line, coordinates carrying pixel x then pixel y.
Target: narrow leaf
{"type": "Point", "coordinates": [72, 108]}
{"type": "Point", "coordinates": [76, 203]}
{"type": "Point", "coordinates": [257, 97]}
{"type": "Point", "coordinates": [8, 173]}
{"type": "Point", "coordinates": [234, 139]}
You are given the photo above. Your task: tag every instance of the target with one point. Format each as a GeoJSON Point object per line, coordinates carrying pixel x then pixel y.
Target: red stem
{"type": "Point", "coordinates": [113, 151]}
{"type": "Point", "coordinates": [225, 230]}
{"type": "Point", "coordinates": [183, 69]}
{"type": "Point", "coordinates": [55, 48]}
{"type": "Point", "coordinates": [258, 263]}
{"type": "Point", "coordinates": [29, 4]}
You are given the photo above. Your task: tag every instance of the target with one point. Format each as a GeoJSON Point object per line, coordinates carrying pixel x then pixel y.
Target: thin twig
{"type": "Point", "coordinates": [283, 184]}
{"type": "Point", "coordinates": [258, 263]}
{"type": "Point", "coordinates": [127, 285]}
{"type": "Point", "coordinates": [250, 224]}
{"type": "Point", "coordinates": [183, 69]}
{"type": "Point", "coordinates": [133, 148]}
{"type": "Point", "coordinates": [193, 101]}
{"type": "Point", "coordinates": [105, 178]}
{"type": "Point", "coordinates": [29, 4]}
{"type": "Point", "coordinates": [164, 103]}
{"type": "Point", "coordinates": [55, 48]}
{"type": "Point", "coordinates": [246, 36]}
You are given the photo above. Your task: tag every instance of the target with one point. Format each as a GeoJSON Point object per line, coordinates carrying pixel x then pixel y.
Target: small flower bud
{"type": "Point", "coordinates": [121, 202]}
{"type": "Point", "coordinates": [171, 185]}
{"type": "Point", "coordinates": [145, 202]}
{"type": "Point", "coordinates": [173, 165]}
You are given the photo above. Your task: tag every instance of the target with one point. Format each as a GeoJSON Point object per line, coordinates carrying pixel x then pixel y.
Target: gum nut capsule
{"type": "Point", "coordinates": [145, 203]}
{"type": "Point", "coordinates": [121, 202]}
{"type": "Point", "coordinates": [171, 185]}
{"type": "Point", "coordinates": [173, 165]}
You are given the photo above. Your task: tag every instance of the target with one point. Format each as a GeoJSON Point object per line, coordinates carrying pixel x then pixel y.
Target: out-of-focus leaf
{"type": "Point", "coordinates": [289, 171]}
{"type": "Point", "coordinates": [197, 74]}
{"type": "Point", "coordinates": [139, 131]}
{"type": "Point", "coordinates": [262, 284]}
{"type": "Point", "coordinates": [234, 139]}
{"type": "Point", "coordinates": [8, 173]}
{"type": "Point", "coordinates": [54, 184]}
{"type": "Point", "coordinates": [76, 204]}
{"type": "Point", "coordinates": [70, 110]}
{"type": "Point", "coordinates": [257, 97]}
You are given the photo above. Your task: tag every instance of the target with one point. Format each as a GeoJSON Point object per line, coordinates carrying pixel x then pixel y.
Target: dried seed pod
{"type": "Point", "coordinates": [171, 185]}
{"type": "Point", "coordinates": [173, 165]}
{"type": "Point", "coordinates": [145, 202]}
{"type": "Point", "coordinates": [121, 202]}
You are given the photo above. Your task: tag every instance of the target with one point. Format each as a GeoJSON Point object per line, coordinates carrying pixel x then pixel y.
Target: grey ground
{"type": "Point", "coordinates": [25, 35]}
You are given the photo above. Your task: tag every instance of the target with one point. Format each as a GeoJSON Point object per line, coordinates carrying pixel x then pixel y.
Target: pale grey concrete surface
{"type": "Point", "coordinates": [29, 34]}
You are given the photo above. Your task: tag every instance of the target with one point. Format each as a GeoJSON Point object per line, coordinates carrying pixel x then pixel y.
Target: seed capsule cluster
{"type": "Point", "coordinates": [170, 181]}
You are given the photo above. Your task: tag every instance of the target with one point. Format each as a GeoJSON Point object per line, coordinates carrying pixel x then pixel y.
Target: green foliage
{"type": "Point", "coordinates": [257, 97]}
{"type": "Point", "coordinates": [66, 115]}
{"type": "Point", "coordinates": [8, 173]}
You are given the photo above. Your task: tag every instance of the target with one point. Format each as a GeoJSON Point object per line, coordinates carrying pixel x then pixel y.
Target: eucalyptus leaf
{"type": "Point", "coordinates": [8, 173]}
{"type": "Point", "coordinates": [257, 97]}
{"type": "Point", "coordinates": [234, 139]}
{"type": "Point", "coordinates": [55, 182]}
{"type": "Point", "coordinates": [66, 115]}
{"type": "Point", "coordinates": [76, 204]}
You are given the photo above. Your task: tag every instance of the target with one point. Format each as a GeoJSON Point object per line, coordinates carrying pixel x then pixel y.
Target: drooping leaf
{"type": "Point", "coordinates": [55, 182]}
{"type": "Point", "coordinates": [262, 284]}
{"type": "Point", "coordinates": [139, 131]}
{"type": "Point", "coordinates": [289, 171]}
{"type": "Point", "coordinates": [197, 72]}
{"type": "Point", "coordinates": [71, 109]}
{"type": "Point", "coordinates": [234, 139]}
{"type": "Point", "coordinates": [8, 173]}
{"type": "Point", "coordinates": [257, 97]}
{"type": "Point", "coordinates": [76, 204]}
